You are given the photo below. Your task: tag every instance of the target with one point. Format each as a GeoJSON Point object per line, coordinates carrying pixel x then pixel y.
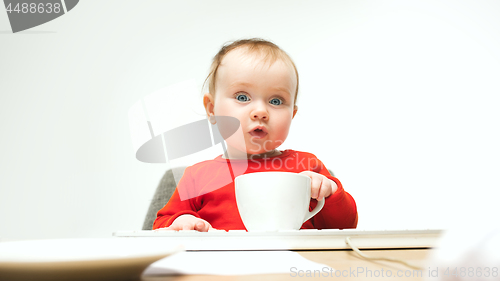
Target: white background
{"type": "Point", "coordinates": [398, 98]}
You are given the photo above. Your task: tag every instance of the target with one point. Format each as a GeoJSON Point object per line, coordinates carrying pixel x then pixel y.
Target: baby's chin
{"type": "Point", "coordinates": [251, 153]}
{"type": "Point", "coordinates": [262, 153]}
{"type": "Point", "coordinates": [253, 149]}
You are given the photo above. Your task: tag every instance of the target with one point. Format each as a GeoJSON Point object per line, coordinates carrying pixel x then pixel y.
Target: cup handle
{"type": "Point", "coordinates": [318, 208]}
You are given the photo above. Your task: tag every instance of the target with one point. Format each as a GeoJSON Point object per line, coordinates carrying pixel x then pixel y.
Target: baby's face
{"type": "Point", "coordinates": [260, 96]}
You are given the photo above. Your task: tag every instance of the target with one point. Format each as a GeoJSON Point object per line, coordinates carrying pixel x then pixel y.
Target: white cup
{"type": "Point", "coordinates": [272, 201]}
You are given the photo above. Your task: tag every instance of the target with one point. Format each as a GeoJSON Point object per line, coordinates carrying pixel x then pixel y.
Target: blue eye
{"type": "Point", "coordinates": [276, 101]}
{"type": "Point", "coordinates": [242, 98]}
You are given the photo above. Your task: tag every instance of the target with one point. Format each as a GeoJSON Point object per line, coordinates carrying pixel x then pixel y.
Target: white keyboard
{"type": "Point", "coordinates": [304, 239]}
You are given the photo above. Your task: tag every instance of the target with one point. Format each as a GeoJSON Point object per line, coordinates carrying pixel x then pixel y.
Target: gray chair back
{"type": "Point", "coordinates": [163, 192]}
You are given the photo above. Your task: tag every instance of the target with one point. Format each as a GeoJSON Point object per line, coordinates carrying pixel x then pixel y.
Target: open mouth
{"type": "Point", "coordinates": [258, 132]}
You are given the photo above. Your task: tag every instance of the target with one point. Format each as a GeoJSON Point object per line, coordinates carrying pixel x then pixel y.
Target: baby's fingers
{"type": "Point", "coordinates": [315, 187]}
{"type": "Point", "coordinates": [176, 227]}
{"type": "Point", "coordinates": [188, 226]}
{"type": "Point", "coordinates": [325, 190]}
{"type": "Point", "coordinates": [201, 226]}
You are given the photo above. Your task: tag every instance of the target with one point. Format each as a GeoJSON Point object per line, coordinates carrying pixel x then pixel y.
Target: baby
{"type": "Point", "coordinates": [255, 82]}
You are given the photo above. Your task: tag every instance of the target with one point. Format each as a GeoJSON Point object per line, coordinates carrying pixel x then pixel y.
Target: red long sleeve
{"type": "Point", "coordinates": [207, 191]}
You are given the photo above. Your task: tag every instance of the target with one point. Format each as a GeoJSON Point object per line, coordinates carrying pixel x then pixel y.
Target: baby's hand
{"type": "Point", "coordinates": [189, 222]}
{"type": "Point", "coordinates": [321, 186]}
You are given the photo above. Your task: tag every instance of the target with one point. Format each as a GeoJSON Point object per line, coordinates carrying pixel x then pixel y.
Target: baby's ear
{"type": "Point", "coordinates": [208, 103]}
{"type": "Point", "coordinates": [295, 108]}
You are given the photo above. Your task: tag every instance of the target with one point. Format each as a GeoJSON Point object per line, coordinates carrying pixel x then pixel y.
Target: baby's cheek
{"type": "Point", "coordinates": [237, 140]}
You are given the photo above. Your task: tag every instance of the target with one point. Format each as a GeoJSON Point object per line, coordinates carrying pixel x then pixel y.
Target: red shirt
{"type": "Point", "coordinates": [206, 191]}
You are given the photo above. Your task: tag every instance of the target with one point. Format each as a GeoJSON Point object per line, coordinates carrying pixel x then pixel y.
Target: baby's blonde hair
{"type": "Point", "coordinates": [269, 51]}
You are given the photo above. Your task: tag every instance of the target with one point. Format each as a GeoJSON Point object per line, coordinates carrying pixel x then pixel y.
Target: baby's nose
{"type": "Point", "coordinates": [260, 113]}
